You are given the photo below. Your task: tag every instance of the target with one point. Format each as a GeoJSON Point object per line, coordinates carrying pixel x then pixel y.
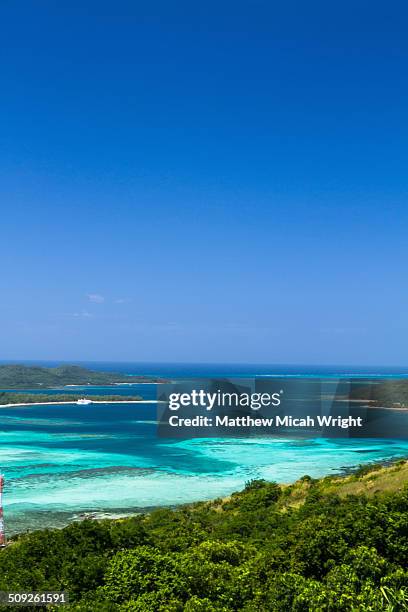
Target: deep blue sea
{"type": "Point", "coordinates": [61, 462]}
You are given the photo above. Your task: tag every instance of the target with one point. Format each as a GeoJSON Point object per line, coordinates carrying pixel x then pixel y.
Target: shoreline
{"type": "Point", "coordinates": [115, 384]}
{"type": "Point", "coordinates": [369, 404]}
{"type": "Point", "coordinates": [339, 478]}
{"type": "Point", "coordinates": [393, 408]}
{"type": "Point", "coordinates": [76, 403]}
{"type": "Point", "coordinates": [142, 401]}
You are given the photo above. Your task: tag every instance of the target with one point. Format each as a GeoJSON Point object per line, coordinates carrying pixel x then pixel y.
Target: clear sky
{"type": "Point", "coordinates": [213, 181]}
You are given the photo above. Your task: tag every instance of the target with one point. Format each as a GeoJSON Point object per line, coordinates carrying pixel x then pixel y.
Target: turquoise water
{"type": "Point", "coordinates": [63, 461]}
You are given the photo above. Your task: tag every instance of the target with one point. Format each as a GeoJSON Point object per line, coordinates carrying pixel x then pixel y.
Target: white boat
{"type": "Point", "coordinates": [83, 401]}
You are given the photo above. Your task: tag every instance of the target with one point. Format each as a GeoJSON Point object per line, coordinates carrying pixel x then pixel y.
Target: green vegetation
{"type": "Point", "coordinates": [30, 377]}
{"type": "Point", "coordinates": [311, 546]}
{"type": "Point", "coordinates": [32, 398]}
{"type": "Point", "coordinates": [390, 394]}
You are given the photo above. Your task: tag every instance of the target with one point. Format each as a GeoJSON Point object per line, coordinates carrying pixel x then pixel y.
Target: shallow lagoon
{"type": "Point", "coordinates": [62, 461]}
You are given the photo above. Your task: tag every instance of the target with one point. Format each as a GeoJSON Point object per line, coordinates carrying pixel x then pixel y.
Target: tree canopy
{"type": "Point", "coordinates": [309, 546]}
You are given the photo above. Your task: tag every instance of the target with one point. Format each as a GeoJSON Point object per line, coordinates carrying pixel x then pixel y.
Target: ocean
{"type": "Point", "coordinates": [64, 462]}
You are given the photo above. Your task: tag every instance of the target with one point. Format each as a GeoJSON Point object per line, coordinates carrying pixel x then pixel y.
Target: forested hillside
{"type": "Point", "coordinates": [31, 377]}
{"type": "Point", "coordinates": [310, 546]}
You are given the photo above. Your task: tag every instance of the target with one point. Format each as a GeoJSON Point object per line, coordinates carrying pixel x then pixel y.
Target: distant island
{"type": "Point", "coordinates": [31, 377]}
{"type": "Point", "coordinates": [387, 394]}
{"type": "Point", "coordinates": [20, 399]}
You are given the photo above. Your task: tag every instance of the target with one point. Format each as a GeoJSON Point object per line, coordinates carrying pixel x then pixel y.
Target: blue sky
{"type": "Point", "coordinates": [204, 182]}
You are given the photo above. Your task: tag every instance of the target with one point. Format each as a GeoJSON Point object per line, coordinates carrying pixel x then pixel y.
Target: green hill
{"type": "Point", "coordinates": [31, 377]}
{"type": "Point", "coordinates": [335, 544]}
{"type": "Point", "coordinates": [389, 393]}
{"type": "Point", "coordinates": [38, 398]}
